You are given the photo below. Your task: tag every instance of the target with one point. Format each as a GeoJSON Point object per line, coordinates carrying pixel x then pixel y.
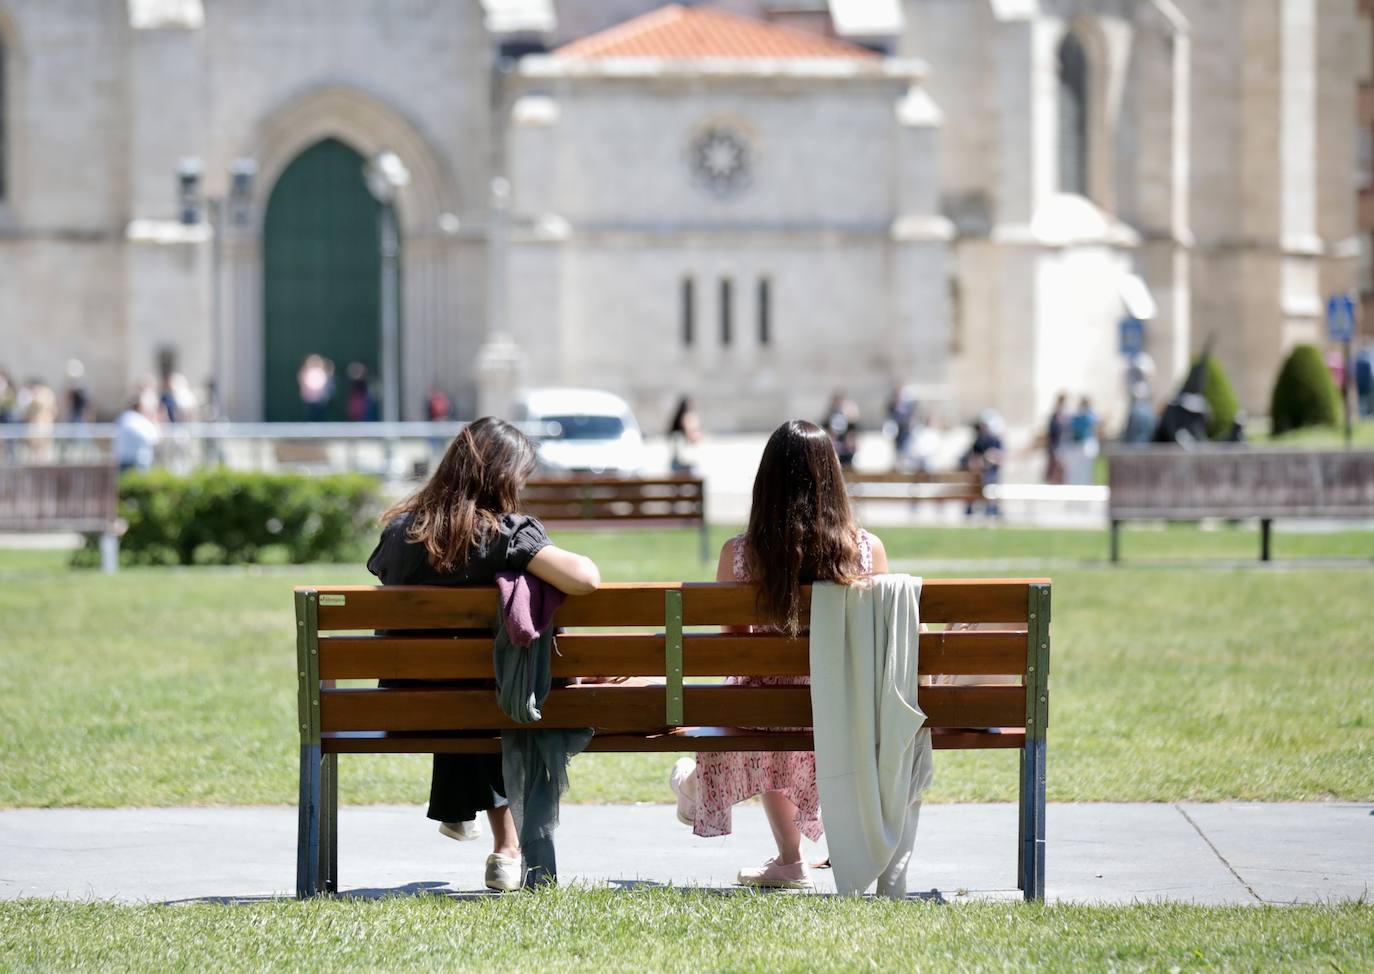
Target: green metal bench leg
{"type": "Point", "coordinates": [329, 823]}
{"type": "Point", "coordinates": [1031, 861]}
{"type": "Point", "coordinates": [1021, 822]}
{"type": "Point", "coordinates": [308, 829]}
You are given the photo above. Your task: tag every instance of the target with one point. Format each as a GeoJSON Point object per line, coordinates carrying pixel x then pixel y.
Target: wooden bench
{"type": "Point", "coordinates": [962, 486]}
{"type": "Point", "coordinates": [58, 497]}
{"type": "Point", "coordinates": [1169, 483]}
{"type": "Point", "coordinates": [335, 642]}
{"type": "Point", "coordinates": [615, 502]}
{"type": "Point", "coordinates": [305, 456]}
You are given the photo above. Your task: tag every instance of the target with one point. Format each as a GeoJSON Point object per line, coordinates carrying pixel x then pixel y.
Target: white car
{"type": "Point", "coordinates": [582, 430]}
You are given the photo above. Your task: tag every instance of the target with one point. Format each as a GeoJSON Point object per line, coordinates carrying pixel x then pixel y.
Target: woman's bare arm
{"type": "Point", "coordinates": [879, 554]}
{"type": "Point", "coordinates": [725, 572]}
{"type": "Point", "coordinates": [565, 570]}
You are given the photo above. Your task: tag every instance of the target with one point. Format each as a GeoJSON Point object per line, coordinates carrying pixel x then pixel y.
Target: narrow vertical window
{"type": "Point", "coordinates": [689, 310]}
{"type": "Point", "coordinates": [765, 309]}
{"type": "Point", "coordinates": [1073, 116]}
{"type": "Point", "coordinates": [727, 286]}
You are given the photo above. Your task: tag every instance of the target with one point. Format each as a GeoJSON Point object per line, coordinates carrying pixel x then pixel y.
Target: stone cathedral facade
{"type": "Point", "coordinates": [754, 202]}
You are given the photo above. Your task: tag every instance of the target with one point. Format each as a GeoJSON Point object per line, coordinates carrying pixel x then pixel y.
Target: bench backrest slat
{"type": "Point", "coordinates": [640, 709]}
{"type": "Point", "coordinates": [704, 604]}
{"type": "Point", "coordinates": [957, 653]}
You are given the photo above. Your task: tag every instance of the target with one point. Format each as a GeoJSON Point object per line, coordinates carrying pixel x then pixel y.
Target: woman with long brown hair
{"type": "Point", "coordinates": [462, 528]}
{"type": "Point", "coordinates": [801, 530]}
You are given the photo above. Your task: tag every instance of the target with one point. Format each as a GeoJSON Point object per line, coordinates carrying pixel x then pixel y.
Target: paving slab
{"type": "Point", "coordinates": [1294, 851]}
{"type": "Point", "coordinates": [1096, 853]}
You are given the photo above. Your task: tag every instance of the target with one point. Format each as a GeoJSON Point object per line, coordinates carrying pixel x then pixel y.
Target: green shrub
{"type": "Point", "coordinates": [1221, 400]}
{"type": "Point", "coordinates": [230, 517]}
{"type": "Point", "coordinates": [1304, 393]}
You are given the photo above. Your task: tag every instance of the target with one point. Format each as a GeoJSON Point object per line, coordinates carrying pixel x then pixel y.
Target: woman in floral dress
{"type": "Point", "coordinates": [801, 530]}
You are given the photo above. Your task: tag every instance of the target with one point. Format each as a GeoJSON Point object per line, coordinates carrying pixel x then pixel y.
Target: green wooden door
{"type": "Point", "coordinates": [321, 267]}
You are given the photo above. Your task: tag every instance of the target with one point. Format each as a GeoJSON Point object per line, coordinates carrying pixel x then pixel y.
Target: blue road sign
{"type": "Point", "coordinates": [1132, 336]}
{"type": "Point", "coordinates": [1340, 318]}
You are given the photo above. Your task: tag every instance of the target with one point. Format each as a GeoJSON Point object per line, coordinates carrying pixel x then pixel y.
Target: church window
{"type": "Point", "coordinates": [689, 310]}
{"type": "Point", "coordinates": [765, 309]}
{"type": "Point", "coordinates": [1073, 116]}
{"type": "Point", "coordinates": [727, 288]}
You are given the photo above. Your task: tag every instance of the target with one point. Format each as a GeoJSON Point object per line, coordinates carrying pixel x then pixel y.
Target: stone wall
{"type": "Point", "coordinates": [834, 172]}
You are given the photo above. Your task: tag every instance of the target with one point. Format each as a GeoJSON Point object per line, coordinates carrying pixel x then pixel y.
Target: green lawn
{"type": "Point", "coordinates": [1176, 676]}
{"type": "Point", "coordinates": [669, 930]}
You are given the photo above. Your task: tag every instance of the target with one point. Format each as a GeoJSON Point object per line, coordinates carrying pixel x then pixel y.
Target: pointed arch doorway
{"type": "Point", "coordinates": [321, 271]}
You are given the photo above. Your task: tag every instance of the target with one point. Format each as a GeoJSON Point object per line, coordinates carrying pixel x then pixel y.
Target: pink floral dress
{"type": "Point", "coordinates": [727, 777]}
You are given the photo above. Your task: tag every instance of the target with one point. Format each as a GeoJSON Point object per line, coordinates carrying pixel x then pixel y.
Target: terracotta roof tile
{"type": "Point", "coordinates": [683, 33]}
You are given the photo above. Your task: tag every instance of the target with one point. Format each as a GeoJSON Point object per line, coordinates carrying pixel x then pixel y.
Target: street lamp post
{"type": "Point", "coordinates": [386, 175]}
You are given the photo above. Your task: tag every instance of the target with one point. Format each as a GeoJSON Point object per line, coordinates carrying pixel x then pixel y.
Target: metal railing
{"type": "Point", "coordinates": [385, 449]}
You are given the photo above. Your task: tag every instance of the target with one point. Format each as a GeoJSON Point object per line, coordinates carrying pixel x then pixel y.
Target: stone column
{"type": "Point", "coordinates": [920, 250]}
{"type": "Point", "coordinates": [1300, 284]}
{"type": "Point", "coordinates": [499, 360]}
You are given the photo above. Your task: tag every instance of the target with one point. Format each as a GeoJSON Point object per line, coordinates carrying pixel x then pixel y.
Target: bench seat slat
{"type": "Point", "coordinates": [959, 653]}
{"type": "Point", "coordinates": [684, 739]}
{"type": "Point", "coordinates": [641, 709]}
{"type": "Point", "coordinates": [420, 607]}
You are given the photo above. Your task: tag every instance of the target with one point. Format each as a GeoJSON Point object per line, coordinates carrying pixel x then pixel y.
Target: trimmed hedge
{"type": "Point", "coordinates": [231, 517]}
{"type": "Point", "coordinates": [1221, 400]}
{"type": "Point", "coordinates": [1304, 393]}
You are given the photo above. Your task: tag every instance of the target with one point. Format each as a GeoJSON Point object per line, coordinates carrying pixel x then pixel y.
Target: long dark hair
{"type": "Point", "coordinates": [801, 529]}
{"type": "Point", "coordinates": [684, 406]}
{"type": "Point", "coordinates": [479, 478]}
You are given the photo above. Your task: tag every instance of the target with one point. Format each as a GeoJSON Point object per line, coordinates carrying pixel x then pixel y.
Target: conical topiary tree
{"type": "Point", "coordinates": [1221, 399]}
{"type": "Point", "coordinates": [1304, 393]}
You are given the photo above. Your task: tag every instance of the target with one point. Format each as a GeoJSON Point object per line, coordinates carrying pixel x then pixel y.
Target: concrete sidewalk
{"type": "Point", "coordinates": [1101, 853]}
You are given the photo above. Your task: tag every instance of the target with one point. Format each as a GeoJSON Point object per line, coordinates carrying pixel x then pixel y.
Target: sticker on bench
{"type": "Point", "coordinates": [333, 600]}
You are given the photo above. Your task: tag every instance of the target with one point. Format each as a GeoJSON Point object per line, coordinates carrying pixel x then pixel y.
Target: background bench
{"type": "Point", "coordinates": [615, 502]}
{"type": "Point", "coordinates": [56, 497]}
{"type": "Point", "coordinates": [963, 486]}
{"type": "Point", "coordinates": [335, 642]}
{"type": "Point", "coordinates": [1169, 483]}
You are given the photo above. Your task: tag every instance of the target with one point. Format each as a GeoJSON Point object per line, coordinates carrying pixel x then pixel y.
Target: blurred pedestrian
{"type": "Point", "coordinates": [1084, 445]}
{"type": "Point", "coordinates": [1056, 436]}
{"type": "Point", "coordinates": [842, 423]}
{"type": "Point", "coordinates": [9, 401]}
{"type": "Point", "coordinates": [984, 457]}
{"type": "Point", "coordinates": [1364, 379]}
{"type": "Point", "coordinates": [1140, 414]}
{"type": "Point", "coordinates": [315, 380]}
{"type": "Point", "coordinates": [178, 400]}
{"type": "Point", "coordinates": [77, 396]}
{"type": "Point", "coordinates": [9, 410]}
{"type": "Point", "coordinates": [137, 433]}
{"type": "Point", "coordinates": [361, 406]}
{"type": "Point", "coordinates": [438, 406]}
{"type": "Point", "coordinates": [684, 433]}
{"type": "Point", "coordinates": [901, 414]}
{"type": "Point", "coordinates": [924, 445]}
{"type": "Point", "coordinates": [39, 404]}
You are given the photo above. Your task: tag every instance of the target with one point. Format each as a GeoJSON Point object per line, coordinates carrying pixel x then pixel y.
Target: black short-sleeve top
{"type": "Point", "coordinates": [509, 546]}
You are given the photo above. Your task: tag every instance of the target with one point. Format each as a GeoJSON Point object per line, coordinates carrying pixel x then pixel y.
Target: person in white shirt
{"type": "Point", "coordinates": [137, 432]}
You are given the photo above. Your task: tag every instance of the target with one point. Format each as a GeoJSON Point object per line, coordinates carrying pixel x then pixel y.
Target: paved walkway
{"type": "Point", "coordinates": [1214, 854]}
